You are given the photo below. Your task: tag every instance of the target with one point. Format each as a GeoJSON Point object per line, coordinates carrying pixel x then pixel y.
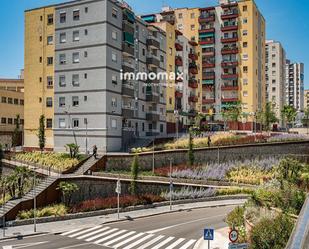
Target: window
{"type": "Point", "coordinates": [245, 57]}
{"type": "Point", "coordinates": [245, 93]}
{"type": "Point", "coordinates": [114, 35]}
{"type": "Point", "coordinates": [244, 8]}
{"type": "Point", "coordinates": [85, 54]}
{"type": "Point", "coordinates": [50, 61]}
{"type": "Point", "coordinates": [85, 98]}
{"type": "Point", "coordinates": [61, 101]}
{"type": "Point", "coordinates": [180, 15]}
{"type": "Point", "coordinates": [245, 69]}
{"type": "Point", "coordinates": [40, 59]}
{"type": "Point", "coordinates": [62, 123]}
{"type": "Point", "coordinates": [75, 122]}
{"type": "Point", "coordinates": [180, 26]}
{"type": "Point", "coordinates": [3, 120]}
{"type": "Point", "coordinates": [75, 57]}
{"type": "Point", "coordinates": [114, 13]}
{"type": "Point", "coordinates": [170, 50]}
{"type": "Point", "coordinates": [143, 51]}
{"type": "Point", "coordinates": [75, 15]}
{"type": "Point", "coordinates": [75, 80]}
{"type": "Point", "coordinates": [21, 102]}
{"type": "Point", "coordinates": [62, 59]}
{"type": "Point", "coordinates": [15, 101]}
{"type": "Point", "coordinates": [3, 99]}
{"type": "Point", "coordinates": [50, 19]}
{"type": "Point", "coordinates": [40, 38]}
{"type": "Point", "coordinates": [63, 17]}
{"type": "Point", "coordinates": [62, 38]}
{"type": "Point", "coordinates": [245, 20]}
{"type": "Point", "coordinates": [161, 58]}
{"type": "Point", "coordinates": [75, 36]}
{"type": "Point", "coordinates": [161, 127]}
{"type": "Point", "coordinates": [114, 57]}
{"type": "Point", "coordinates": [10, 100]}
{"type": "Point", "coordinates": [49, 102]}
{"type": "Point", "coordinates": [114, 102]}
{"type": "Point", "coordinates": [86, 31]}
{"type": "Point", "coordinates": [192, 16]}
{"type": "Point", "coordinates": [114, 123]}
{"type": "Point", "coordinates": [49, 40]}
{"type": "Point", "coordinates": [245, 82]}
{"type": "Point", "coordinates": [86, 9]}
{"type": "Point", "coordinates": [62, 80]}
{"type": "Point", "coordinates": [10, 121]}
{"type": "Point", "coordinates": [85, 75]}
{"type": "Point", "coordinates": [273, 64]}
{"type": "Point", "coordinates": [49, 123]}
{"type": "Point", "coordinates": [245, 44]}
{"type": "Point", "coordinates": [50, 82]}
{"type": "Point", "coordinates": [114, 79]}
{"type": "Point", "coordinates": [193, 27]}
{"type": "Point", "coordinates": [75, 101]}
{"type": "Point", "coordinates": [245, 32]}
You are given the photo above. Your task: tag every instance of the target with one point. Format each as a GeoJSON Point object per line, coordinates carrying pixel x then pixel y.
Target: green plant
{"type": "Point", "coordinates": [289, 169]}
{"type": "Point", "coordinates": [134, 175]}
{"type": "Point", "coordinates": [16, 132]}
{"type": "Point", "coordinates": [52, 210]}
{"type": "Point", "coordinates": [267, 116]}
{"type": "Point", "coordinates": [236, 217]}
{"type": "Point", "coordinates": [190, 151]}
{"type": "Point", "coordinates": [74, 149]}
{"type": "Point", "coordinates": [289, 114]}
{"type": "Point", "coordinates": [271, 233]}
{"type": "Point", "coordinates": [41, 133]}
{"type": "Point", "coordinates": [67, 189]}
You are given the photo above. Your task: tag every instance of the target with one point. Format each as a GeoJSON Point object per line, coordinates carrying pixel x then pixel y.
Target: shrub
{"type": "Point", "coordinates": [52, 210]}
{"type": "Point", "coordinates": [190, 151]}
{"type": "Point", "coordinates": [250, 175]}
{"type": "Point", "coordinates": [236, 217]}
{"type": "Point", "coordinates": [189, 193]}
{"type": "Point", "coordinates": [271, 233]}
{"type": "Point", "coordinates": [134, 175]}
{"type": "Point", "coordinates": [234, 191]}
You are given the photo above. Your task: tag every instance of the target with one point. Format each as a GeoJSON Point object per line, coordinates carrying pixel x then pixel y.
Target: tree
{"type": "Point", "coordinates": [134, 175]}
{"type": "Point", "coordinates": [191, 151]}
{"type": "Point", "coordinates": [22, 174]}
{"type": "Point", "coordinates": [289, 114]}
{"type": "Point", "coordinates": [16, 132]}
{"type": "Point", "coordinates": [41, 133]}
{"type": "Point", "coordinates": [305, 119]}
{"type": "Point", "coordinates": [67, 189]}
{"type": "Point", "coordinates": [74, 150]}
{"type": "Point", "coordinates": [268, 116]}
{"type": "Point", "coordinates": [232, 112]}
{"type": "Point", "coordinates": [1, 157]}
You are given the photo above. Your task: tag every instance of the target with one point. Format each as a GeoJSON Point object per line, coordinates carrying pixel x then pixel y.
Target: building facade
{"type": "Point", "coordinates": [306, 99]}
{"type": "Point", "coordinates": [275, 76]}
{"type": "Point", "coordinates": [295, 85]}
{"type": "Point", "coordinates": [95, 43]}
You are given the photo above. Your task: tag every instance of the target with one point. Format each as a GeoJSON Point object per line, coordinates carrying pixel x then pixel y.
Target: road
{"type": "Point", "coordinates": [178, 230]}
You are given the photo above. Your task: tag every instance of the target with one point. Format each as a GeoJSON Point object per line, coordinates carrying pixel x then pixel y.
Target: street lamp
{"type": "Point", "coordinates": [176, 113]}
{"type": "Point", "coordinates": [34, 200]}
{"type": "Point", "coordinates": [171, 183]}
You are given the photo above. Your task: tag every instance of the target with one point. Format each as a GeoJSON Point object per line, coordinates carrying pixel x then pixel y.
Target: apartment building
{"type": "Point", "coordinates": [231, 51]}
{"type": "Point", "coordinates": [295, 85]}
{"type": "Point", "coordinates": [11, 105]}
{"type": "Point", "coordinates": [275, 76]}
{"type": "Point", "coordinates": [95, 43]}
{"type": "Point", "coordinates": [306, 99]}
{"type": "Point", "coordinates": [181, 92]}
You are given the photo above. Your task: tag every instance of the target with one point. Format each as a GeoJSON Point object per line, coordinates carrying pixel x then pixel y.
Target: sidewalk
{"type": "Point", "coordinates": [221, 240]}
{"type": "Point", "coordinates": [62, 226]}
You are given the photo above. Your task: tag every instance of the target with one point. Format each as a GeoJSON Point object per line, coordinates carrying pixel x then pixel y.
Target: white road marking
{"type": "Point", "coordinates": [92, 233]}
{"type": "Point", "coordinates": [119, 238]}
{"type": "Point", "coordinates": [188, 244]}
{"type": "Point", "coordinates": [84, 231]}
{"type": "Point", "coordinates": [151, 242]}
{"type": "Point", "coordinates": [139, 241]}
{"type": "Point", "coordinates": [72, 246]}
{"type": "Point", "coordinates": [72, 231]}
{"type": "Point", "coordinates": [101, 234]}
{"type": "Point", "coordinates": [162, 243]}
{"type": "Point", "coordinates": [128, 240]}
{"type": "Point", "coordinates": [177, 242]}
{"type": "Point", "coordinates": [109, 236]}
{"type": "Point", "coordinates": [17, 246]}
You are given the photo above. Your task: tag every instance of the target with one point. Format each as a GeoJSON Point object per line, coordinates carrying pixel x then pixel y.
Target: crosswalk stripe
{"type": "Point", "coordinates": [139, 241]}
{"type": "Point", "coordinates": [72, 231]}
{"type": "Point", "coordinates": [188, 244]}
{"type": "Point", "coordinates": [119, 238]}
{"type": "Point", "coordinates": [163, 242]}
{"type": "Point", "coordinates": [151, 242]}
{"type": "Point", "coordinates": [109, 236]}
{"type": "Point", "coordinates": [101, 234]}
{"type": "Point", "coordinates": [92, 233]}
{"type": "Point", "coordinates": [84, 231]}
{"type": "Point", "coordinates": [177, 242]}
{"type": "Point", "coordinates": [128, 240]}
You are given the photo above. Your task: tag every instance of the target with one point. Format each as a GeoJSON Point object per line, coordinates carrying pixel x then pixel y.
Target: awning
{"type": "Point", "coordinates": [131, 16]}
{"type": "Point", "coordinates": [129, 38]}
{"type": "Point", "coordinates": [207, 46]}
{"type": "Point", "coordinates": [205, 35]}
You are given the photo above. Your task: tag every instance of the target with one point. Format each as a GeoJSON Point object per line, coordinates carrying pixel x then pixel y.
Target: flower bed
{"type": "Point", "coordinates": [287, 137]}
{"type": "Point", "coordinates": [52, 210]}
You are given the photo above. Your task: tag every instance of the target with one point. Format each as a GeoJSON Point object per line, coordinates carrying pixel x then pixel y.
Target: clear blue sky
{"type": "Point", "coordinates": [287, 21]}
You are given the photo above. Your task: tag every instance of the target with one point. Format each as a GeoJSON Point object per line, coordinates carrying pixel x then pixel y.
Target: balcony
{"type": "Point", "coordinates": [153, 116]}
{"type": "Point", "coordinates": [229, 5]}
{"type": "Point", "coordinates": [208, 83]}
{"type": "Point", "coordinates": [127, 69]}
{"type": "Point", "coordinates": [151, 42]}
{"type": "Point", "coordinates": [193, 43]}
{"type": "Point", "coordinates": [208, 100]}
{"type": "Point", "coordinates": [151, 61]}
{"type": "Point", "coordinates": [127, 27]}
{"type": "Point", "coordinates": [193, 56]}
{"type": "Point", "coordinates": [193, 98]}
{"type": "Point", "coordinates": [229, 64]}
{"type": "Point", "coordinates": [207, 41]}
{"type": "Point", "coordinates": [152, 97]}
{"type": "Point", "coordinates": [230, 15]}
{"type": "Point", "coordinates": [128, 49]}
{"type": "Point", "coordinates": [209, 53]}
{"type": "Point", "coordinates": [207, 30]}
{"type": "Point", "coordinates": [229, 88]}
{"type": "Point", "coordinates": [208, 88]}
{"type": "Point", "coordinates": [178, 46]}
{"type": "Point", "coordinates": [127, 112]}
{"type": "Point", "coordinates": [193, 69]}
{"type": "Point", "coordinates": [207, 18]}
{"type": "Point", "coordinates": [192, 80]}
{"type": "Point", "coordinates": [229, 39]}
{"type": "Point", "coordinates": [235, 99]}
{"type": "Point", "coordinates": [193, 84]}
{"type": "Point", "coordinates": [229, 76]}
{"type": "Point", "coordinates": [128, 90]}
{"type": "Point", "coordinates": [208, 64]}
{"type": "Point", "coordinates": [229, 50]}
{"type": "Point", "coordinates": [178, 61]}
{"type": "Point", "coordinates": [192, 113]}
{"type": "Point", "coordinates": [208, 76]}
{"type": "Point", "coordinates": [178, 94]}
{"type": "Point", "coordinates": [229, 27]}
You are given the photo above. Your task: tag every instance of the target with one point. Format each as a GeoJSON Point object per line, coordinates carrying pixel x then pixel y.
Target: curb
{"type": "Point", "coordinates": [21, 236]}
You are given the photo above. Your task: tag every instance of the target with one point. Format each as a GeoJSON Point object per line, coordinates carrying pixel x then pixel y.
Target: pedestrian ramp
{"type": "Point", "coordinates": [124, 239]}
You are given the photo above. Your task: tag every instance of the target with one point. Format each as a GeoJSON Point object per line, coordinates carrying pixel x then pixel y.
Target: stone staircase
{"type": "Point", "coordinates": [87, 165]}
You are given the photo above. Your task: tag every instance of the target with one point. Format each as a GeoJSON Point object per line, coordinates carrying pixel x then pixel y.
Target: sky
{"type": "Point", "coordinates": [286, 22]}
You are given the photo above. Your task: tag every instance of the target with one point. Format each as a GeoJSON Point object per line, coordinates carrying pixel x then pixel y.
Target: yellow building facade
{"type": "Point", "coordinates": [39, 75]}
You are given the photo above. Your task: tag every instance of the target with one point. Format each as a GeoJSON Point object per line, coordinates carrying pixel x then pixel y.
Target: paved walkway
{"type": "Point", "coordinates": [63, 226]}
{"type": "Point", "coordinates": [221, 240]}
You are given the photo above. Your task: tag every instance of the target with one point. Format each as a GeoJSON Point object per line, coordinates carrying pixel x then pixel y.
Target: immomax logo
{"type": "Point", "coordinates": [162, 76]}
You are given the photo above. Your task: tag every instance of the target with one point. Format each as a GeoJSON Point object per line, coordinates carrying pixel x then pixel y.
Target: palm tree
{"type": "Point", "coordinates": [73, 148]}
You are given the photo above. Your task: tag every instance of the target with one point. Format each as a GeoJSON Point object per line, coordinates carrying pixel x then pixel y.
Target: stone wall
{"type": "Point", "coordinates": [204, 155]}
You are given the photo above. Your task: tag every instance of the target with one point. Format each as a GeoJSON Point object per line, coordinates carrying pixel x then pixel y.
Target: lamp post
{"type": "Point", "coordinates": [171, 183]}
{"type": "Point", "coordinates": [176, 113]}
{"type": "Point", "coordinates": [34, 200]}
{"type": "Point", "coordinates": [3, 211]}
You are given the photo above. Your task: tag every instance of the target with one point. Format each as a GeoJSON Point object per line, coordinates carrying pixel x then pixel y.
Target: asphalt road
{"type": "Point", "coordinates": [175, 230]}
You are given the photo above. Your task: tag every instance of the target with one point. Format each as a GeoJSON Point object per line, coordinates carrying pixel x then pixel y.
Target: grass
{"type": "Point", "coordinates": [52, 210]}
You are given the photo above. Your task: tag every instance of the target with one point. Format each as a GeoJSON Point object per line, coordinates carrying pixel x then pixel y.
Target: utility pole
{"type": "Point", "coordinates": [3, 211]}
{"type": "Point", "coordinates": [153, 155]}
{"type": "Point", "coordinates": [171, 184]}
{"type": "Point", "coordinates": [34, 200]}
{"type": "Point", "coordinates": [86, 123]}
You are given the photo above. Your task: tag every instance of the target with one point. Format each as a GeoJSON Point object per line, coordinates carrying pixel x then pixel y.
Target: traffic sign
{"type": "Point", "coordinates": [238, 246]}
{"type": "Point", "coordinates": [208, 234]}
{"type": "Point", "coordinates": [118, 187]}
{"type": "Point", "coordinates": [233, 235]}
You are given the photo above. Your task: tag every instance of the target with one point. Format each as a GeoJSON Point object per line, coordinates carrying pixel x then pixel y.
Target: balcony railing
{"type": "Point", "coordinates": [178, 61]}
{"type": "Point", "coordinates": [229, 88]}
{"type": "Point", "coordinates": [178, 46]}
{"type": "Point", "coordinates": [208, 64]}
{"type": "Point", "coordinates": [207, 41]}
{"type": "Point", "coordinates": [208, 75]}
{"type": "Point", "coordinates": [209, 53]}
{"type": "Point", "coordinates": [178, 94]}
{"type": "Point", "coordinates": [230, 15]}
{"type": "Point", "coordinates": [193, 68]}
{"type": "Point", "coordinates": [193, 56]}
{"type": "Point", "coordinates": [229, 5]}
{"type": "Point", "coordinates": [193, 84]}
{"type": "Point", "coordinates": [229, 76]}
{"type": "Point", "coordinates": [153, 62]}
{"type": "Point", "coordinates": [229, 27]}
{"type": "Point", "coordinates": [229, 64]}
{"type": "Point", "coordinates": [152, 97]}
{"type": "Point", "coordinates": [127, 49]}
{"type": "Point", "coordinates": [208, 100]}
{"type": "Point", "coordinates": [152, 42]}
{"type": "Point", "coordinates": [207, 18]}
{"type": "Point", "coordinates": [230, 99]}
{"type": "Point", "coordinates": [193, 98]}
{"type": "Point", "coordinates": [153, 116]}
{"type": "Point", "coordinates": [128, 90]}
{"type": "Point", "coordinates": [206, 30]}
{"type": "Point", "coordinates": [229, 50]}
{"type": "Point", "coordinates": [229, 39]}
{"type": "Point", "coordinates": [127, 112]}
